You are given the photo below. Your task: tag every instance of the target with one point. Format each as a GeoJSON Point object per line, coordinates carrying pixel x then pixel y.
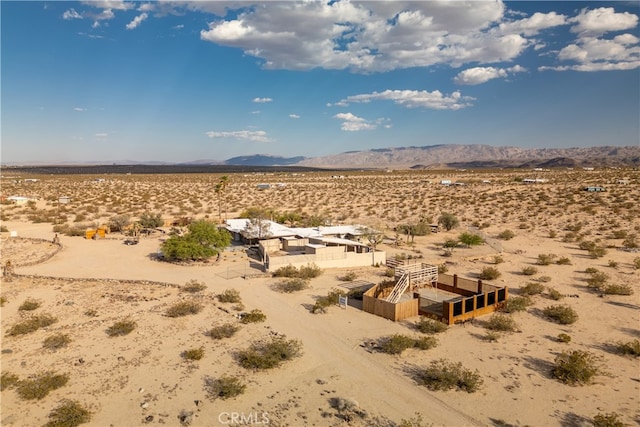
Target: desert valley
{"type": "Point", "coordinates": [105, 333]}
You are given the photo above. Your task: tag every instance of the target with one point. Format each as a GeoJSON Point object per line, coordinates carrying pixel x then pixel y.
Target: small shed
{"type": "Point", "coordinates": [594, 189]}
{"type": "Point", "coordinates": [64, 200]}
{"type": "Point", "coordinates": [263, 186]}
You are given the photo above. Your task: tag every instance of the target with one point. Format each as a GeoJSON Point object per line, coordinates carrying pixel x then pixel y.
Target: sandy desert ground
{"type": "Point", "coordinates": [141, 378]}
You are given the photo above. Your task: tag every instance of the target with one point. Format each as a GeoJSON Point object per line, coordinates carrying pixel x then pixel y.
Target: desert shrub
{"type": "Point", "coordinates": [309, 271]}
{"type": "Point", "coordinates": [544, 279]}
{"type": "Point", "coordinates": [193, 353]}
{"type": "Point", "coordinates": [229, 295]}
{"type": "Point", "coordinates": [597, 252]}
{"type": "Point", "coordinates": [223, 331]}
{"type": "Point", "coordinates": [3, 301]}
{"type": "Point", "coordinates": [68, 413]}
{"type": "Point", "coordinates": [489, 273]}
{"type": "Point", "coordinates": [506, 235]}
{"type": "Point", "coordinates": [515, 304]}
{"type": "Point", "coordinates": [617, 289]}
{"type": "Point", "coordinates": [444, 375]}
{"type": "Point", "coordinates": [324, 302]}
{"type": "Point", "coordinates": [269, 354]}
{"type": "Point", "coordinates": [92, 312]}
{"type": "Point", "coordinates": [470, 239]}
{"type": "Point", "coordinates": [587, 245]}
{"type": "Point", "coordinates": [563, 261]}
{"type": "Point", "coordinates": [183, 308]}
{"type": "Point", "coordinates": [497, 259]}
{"type": "Point", "coordinates": [491, 336]}
{"type": "Point", "coordinates": [425, 343]}
{"type": "Point", "coordinates": [576, 368]}
{"type": "Point", "coordinates": [565, 338]}
{"type": "Point", "coordinates": [501, 323]}
{"type": "Point", "coordinates": [529, 271]}
{"type": "Point", "coordinates": [591, 270]}
{"type": "Point", "coordinates": [286, 271]}
{"type": "Point", "coordinates": [636, 263]}
{"type": "Point", "coordinates": [30, 304]}
{"type": "Point", "coordinates": [348, 277]}
{"type": "Point", "coordinates": [613, 263]}
{"type": "Point", "coordinates": [39, 386]}
{"type": "Point", "coordinates": [121, 327]}
{"type": "Point", "coordinates": [151, 220]}
{"type": "Point", "coordinates": [254, 316]}
{"type": "Point", "coordinates": [224, 387]}
{"type": "Point", "coordinates": [390, 272]}
{"type": "Point", "coordinates": [430, 326]}
{"type": "Point", "coordinates": [611, 419]}
{"type": "Point", "coordinates": [8, 380]}
{"type": "Point", "coordinates": [631, 348]}
{"type": "Point", "coordinates": [562, 314]}
{"type": "Point", "coordinates": [193, 286]}
{"type": "Point", "coordinates": [448, 221]}
{"type": "Point", "coordinates": [56, 341]}
{"type": "Point", "coordinates": [597, 280]}
{"type": "Point", "coordinates": [291, 285]}
{"type": "Point", "coordinates": [32, 324]}
{"type": "Point", "coordinates": [395, 344]}
{"type": "Point", "coordinates": [347, 409]}
{"type": "Point", "coordinates": [545, 259]}
{"type": "Point", "coordinates": [532, 288]}
{"type": "Point", "coordinates": [555, 295]}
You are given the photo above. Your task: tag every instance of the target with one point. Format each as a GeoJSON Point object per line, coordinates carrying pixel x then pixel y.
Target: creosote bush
{"type": "Point", "coordinates": [183, 308]}
{"type": "Point", "coordinates": [8, 380]}
{"type": "Point", "coordinates": [576, 367]}
{"type": "Point", "coordinates": [348, 277]}
{"type": "Point", "coordinates": [430, 326]}
{"type": "Point", "coordinates": [56, 341]}
{"type": "Point", "coordinates": [532, 288]}
{"type": "Point", "coordinates": [611, 419]}
{"type": "Point", "coordinates": [193, 353]}
{"type": "Point", "coordinates": [501, 323]}
{"type": "Point", "coordinates": [29, 304]}
{"type": "Point", "coordinates": [563, 261]}
{"type": "Point", "coordinates": [223, 331]}
{"type": "Point", "coordinates": [32, 324]}
{"type": "Point", "coordinates": [121, 327]}
{"type": "Point", "coordinates": [562, 314]}
{"type": "Point", "coordinates": [617, 289]}
{"type": "Point", "coordinates": [515, 304]}
{"type": "Point", "coordinates": [529, 271]}
{"type": "Point", "coordinates": [291, 285]}
{"type": "Point", "coordinates": [444, 375]}
{"type": "Point", "coordinates": [545, 259]}
{"type": "Point", "coordinates": [229, 295]}
{"type": "Point", "coordinates": [306, 272]}
{"type": "Point", "coordinates": [68, 413]}
{"type": "Point", "coordinates": [39, 386]}
{"type": "Point", "coordinates": [269, 354]}
{"type": "Point", "coordinates": [224, 387]}
{"type": "Point", "coordinates": [397, 343]}
{"type": "Point", "coordinates": [631, 348]}
{"type": "Point", "coordinates": [555, 295]}
{"type": "Point", "coordinates": [565, 338]}
{"type": "Point", "coordinates": [254, 316]}
{"type": "Point", "coordinates": [324, 302]}
{"type": "Point", "coordinates": [193, 286]}
{"type": "Point", "coordinates": [506, 235]}
{"type": "Point", "coordinates": [489, 273]}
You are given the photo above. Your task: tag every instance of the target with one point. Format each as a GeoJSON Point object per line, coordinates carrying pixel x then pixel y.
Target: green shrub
{"type": "Point", "coordinates": [555, 295]}
{"type": "Point", "coordinates": [291, 285]}
{"type": "Point", "coordinates": [529, 271]}
{"type": "Point", "coordinates": [229, 295]}
{"type": "Point", "coordinates": [618, 289]}
{"type": "Point", "coordinates": [532, 288]}
{"type": "Point", "coordinates": [506, 235]}
{"type": "Point", "coordinates": [562, 314]}
{"type": "Point", "coordinates": [348, 277]}
{"type": "Point", "coordinates": [489, 273]}
{"type": "Point", "coordinates": [223, 331]}
{"type": "Point", "coordinates": [121, 327]}
{"type": "Point", "coordinates": [193, 286]}
{"type": "Point", "coordinates": [8, 380]}
{"type": "Point", "coordinates": [563, 261]}
{"type": "Point", "coordinates": [309, 271]}
{"type": "Point", "coordinates": [576, 368]}
{"type": "Point", "coordinates": [39, 386]}
{"type": "Point", "coordinates": [591, 270]}
{"type": "Point", "coordinates": [597, 252]}
{"type": "Point", "coordinates": [611, 419]}
{"type": "Point", "coordinates": [430, 326]}
{"type": "Point", "coordinates": [631, 348]}
{"type": "Point", "coordinates": [324, 302]}
{"type": "Point", "coordinates": [56, 341]}
{"type": "Point", "coordinates": [224, 387]}
{"type": "Point", "coordinates": [30, 304]}
{"type": "Point", "coordinates": [395, 344]}
{"type": "Point", "coordinates": [425, 343]}
{"type": "Point", "coordinates": [444, 375]}
{"type": "Point", "coordinates": [597, 280]}
{"type": "Point", "coordinates": [32, 324]}
{"type": "Point", "coordinates": [501, 323]}
{"type": "Point", "coordinates": [269, 354]}
{"type": "Point", "coordinates": [193, 353]}
{"type": "Point", "coordinates": [515, 304]}
{"type": "Point", "coordinates": [68, 413]}
{"type": "Point", "coordinates": [254, 316]}
{"type": "Point", "coordinates": [183, 308]}
{"type": "Point", "coordinates": [545, 259]}
{"type": "Point", "coordinates": [286, 271]}
{"type": "Point", "coordinates": [564, 338]}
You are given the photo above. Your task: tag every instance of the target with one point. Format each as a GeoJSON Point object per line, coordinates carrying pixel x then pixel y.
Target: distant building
{"type": "Point", "coordinates": [64, 200]}
{"type": "Point", "coordinates": [593, 189]}
{"type": "Point", "coordinates": [18, 200]}
{"type": "Point", "coordinates": [623, 181]}
{"type": "Point", "coordinates": [263, 186]}
{"type": "Point", "coordinates": [445, 182]}
{"type": "Point", "coordinates": [533, 180]}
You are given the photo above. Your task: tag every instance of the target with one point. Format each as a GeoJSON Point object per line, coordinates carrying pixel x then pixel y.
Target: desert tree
{"type": "Point", "coordinates": [203, 240]}
{"type": "Point", "coordinates": [151, 220]}
{"type": "Point", "coordinates": [374, 237]}
{"type": "Point", "coordinates": [470, 239]}
{"type": "Point", "coordinates": [220, 188]}
{"type": "Point", "coordinates": [448, 221]}
{"type": "Point", "coordinates": [119, 222]}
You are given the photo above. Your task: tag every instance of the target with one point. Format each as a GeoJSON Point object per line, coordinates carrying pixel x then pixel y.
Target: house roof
{"type": "Point", "coordinates": [276, 230]}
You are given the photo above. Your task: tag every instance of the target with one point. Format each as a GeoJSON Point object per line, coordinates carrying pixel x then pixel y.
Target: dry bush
{"type": "Point", "coordinates": [56, 341]}
{"type": "Point", "coordinates": [8, 380]}
{"type": "Point", "coordinates": [254, 316]}
{"type": "Point", "coordinates": [324, 302]}
{"type": "Point", "coordinates": [565, 338]}
{"type": "Point", "coordinates": [554, 294]}
{"type": "Point", "coordinates": [532, 288]}
{"type": "Point", "coordinates": [291, 285]}
{"type": "Point", "coordinates": [39, 386]}
{"type": "Point", "coordinates": [348, 277]}
{"type": "Point", "coordinates": [348, 410]}
{"type": "Point", "coordinates": [269, 354]}
{"type": "Point", "coordinates": [229, 295]}
{"type": "Point", "coordinates": [430, 326]}
{"type": "Point", "coordinates": [611, 419]}
{"type": "Point", "coordinates": [224, 387]}
{"type": "Point", "coordinates": [68, 413]}
{"type": "Point", "coordinates": [193, 353]}
{"type": "Point", "coordinates": [397, 343]}
{"type": "Point", "coordinates": [3, 301]}
{"type": "Point", "coordinates": [631, 348]}
{"type": "Point", "coordinates": [223, 331]}
{"type": "Point", "coordinates": [193, 286]}
{"type": "Point", "coordinates": [529, 271]}
{"type": "Point", "coordinates": [489, 273]}
{"type": "Point", "coordinates": [562, 314]}
{"type": "Point", "coordinates": [563, 261]}
{"type": "Point", "coordinates": [497, 259]}
{"type": "Point", "coordinates": [576, 368]}
{"type": "Point", "coordinates": [30, 304]}
{"type": "Point", "coordinates": [444, 375]}
{"type": "Point", "coordinates": [501, 323]}
{"type": "Point", "coordinates": [506, 235]}
{"type": "Point", "coordinates": [32, 324]}
{"type": "Point", "coordinates": [545, 259]}
{"type": "Point", "coordinates": [515, 304]}
{"type": "Point", "coordinates": [183, 308]}
{"type": "Point", "coordinates": [617, 289]}
{"type": "Point", "coordinates": [121, 327]}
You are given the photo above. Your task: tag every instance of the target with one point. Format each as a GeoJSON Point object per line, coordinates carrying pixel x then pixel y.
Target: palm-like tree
{"type": "Point", "coordinates": [219, 189]}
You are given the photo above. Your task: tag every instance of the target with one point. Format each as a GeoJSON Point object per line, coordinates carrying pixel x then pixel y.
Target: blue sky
{"type": "Point", "coordinates": [181, 81]}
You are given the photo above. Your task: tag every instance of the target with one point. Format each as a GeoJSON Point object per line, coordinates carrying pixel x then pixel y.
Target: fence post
{"type": "Point", "coordinates": [479, 286]}
{"type": "Point", "coordinates": [455, 281]}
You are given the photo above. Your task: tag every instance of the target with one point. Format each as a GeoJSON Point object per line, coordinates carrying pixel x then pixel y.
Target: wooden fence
{"type": "Point", "coordinates": [380, 307]}
{"type": "Point", "coordinates": [463, 308]}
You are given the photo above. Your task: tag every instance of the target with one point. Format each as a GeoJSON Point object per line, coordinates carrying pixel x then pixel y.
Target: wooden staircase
{"type": "Point", "coordinates": [412, 274]}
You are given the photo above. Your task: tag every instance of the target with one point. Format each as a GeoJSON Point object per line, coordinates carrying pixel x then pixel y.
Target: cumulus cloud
{"type": "Point", "coordinates": [136, 21]}
{"type": "Point", "coordinates": [294, 116]}
{"type": "Point", "coordinates": [596, 22]}
{"type": "Point", "coordinates": [479, 75]}
{"type": "Point", "coordinates": [71, 14]}
{"type": "Point", "coordinates": [353, 123]}
{"type": "Point", "coordinates": [246, 135]}
{"type": "Point", "coordinates": [532, 25]}
{"type": "Point", "coordinates": [413, 99]}
{"type": "Point", "coordinates": [262, 100]}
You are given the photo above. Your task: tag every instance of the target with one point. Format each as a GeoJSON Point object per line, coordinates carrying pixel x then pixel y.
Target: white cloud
{"type": "Point", "coordinates": [247, 135]}
{"type": "Point", "coordinates": [178, 27]}
{"type": "Point", "coordinates": [413, 99]}
{"type": "Point", "coordinates": [101, 135]}
{"type": "Point", "coordinates": [110, 4]}
{"type": "Point", "coordinates": [262, 100]}
{"type": "Point", "coordinates": [79, 109]}
{"type": "Point", "coordinates": [479, 75]}
{"type": "Point", "coordinates": [294, 116]}
{"type": "Point", "coordinates": [136, 21]}
{"type": "Point", "coordinates": [353, 123]}
{"type": "Point", "coordinates": [71, 14]}
{"type": "Point", "coordinates": [534, 24]}
{"type": "Point", "coordinates": [596, 22]}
